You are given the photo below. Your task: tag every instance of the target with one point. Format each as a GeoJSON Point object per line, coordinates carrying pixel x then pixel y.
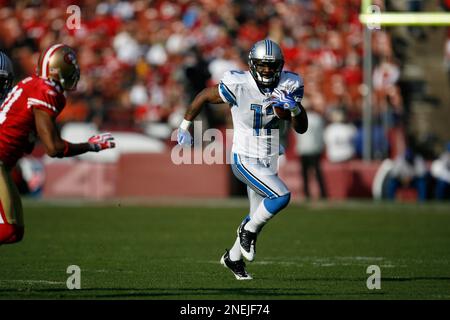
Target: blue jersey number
{"type": "Point", "coordinates": [257, 119]}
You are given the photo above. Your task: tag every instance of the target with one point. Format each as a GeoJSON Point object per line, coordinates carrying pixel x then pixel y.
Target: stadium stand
{"type": "Point", "coordinates": [143, 61]}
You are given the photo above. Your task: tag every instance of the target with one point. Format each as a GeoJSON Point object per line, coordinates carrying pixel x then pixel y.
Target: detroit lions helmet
{"type": "Point", "coordinates": [266, 62]}
{"type": "Point", "coordinates": [6, 75]}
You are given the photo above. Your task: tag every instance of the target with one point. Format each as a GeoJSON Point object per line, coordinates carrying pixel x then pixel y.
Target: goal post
{"type": "Point", "coordinates": [373, 19]}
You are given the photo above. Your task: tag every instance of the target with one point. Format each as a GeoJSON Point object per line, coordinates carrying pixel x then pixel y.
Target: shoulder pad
{"type": "Point", "coordinates": [290, 81]}
{"type": "Point", "coordinates": [236, 76]}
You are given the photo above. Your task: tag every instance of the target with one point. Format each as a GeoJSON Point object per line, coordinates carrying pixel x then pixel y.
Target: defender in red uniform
{"type": "Point", "coordinates": [29, 111]}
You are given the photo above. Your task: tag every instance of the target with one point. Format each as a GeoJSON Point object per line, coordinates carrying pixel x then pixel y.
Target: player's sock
{"type": "Point", "coordinates": [259, 218]}
{"type": "Point", "coordinates": [266, 210]}
{"type": "Point", "coordinates": [10, 233]}
{"type": "Point", "coordinates": [235, 251]}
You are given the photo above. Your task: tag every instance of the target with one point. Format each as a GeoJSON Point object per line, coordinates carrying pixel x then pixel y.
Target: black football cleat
{"type": "Point", "coordinates": [237, 267]}
{"type": "Point", "coordinates": [247, 241]}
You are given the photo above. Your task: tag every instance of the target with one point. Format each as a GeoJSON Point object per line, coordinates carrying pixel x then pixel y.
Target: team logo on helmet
{"type": "Point", "coordinates": [69, 58]}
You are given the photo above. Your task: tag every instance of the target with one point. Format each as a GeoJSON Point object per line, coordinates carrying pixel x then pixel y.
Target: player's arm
{"type": "Point", "coordinates": [300, 121]}
{"type": "Point", "coordinates": [207, 95]}
{"type": "Point", "coordinates": [55, 146]}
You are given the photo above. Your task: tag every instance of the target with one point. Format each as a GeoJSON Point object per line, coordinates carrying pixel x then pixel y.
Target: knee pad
{"type": "Point", "coordinates": [277, 204]}
{"type": "Point", "coordinates": [11, 233]}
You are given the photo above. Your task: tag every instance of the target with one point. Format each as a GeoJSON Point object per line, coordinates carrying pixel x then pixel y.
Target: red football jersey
{"type": "Point", "coordinates": [17, 125]}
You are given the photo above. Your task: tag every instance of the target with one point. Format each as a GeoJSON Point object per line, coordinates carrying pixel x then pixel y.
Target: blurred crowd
{"type": "Point", "coordinates": [143, 61]}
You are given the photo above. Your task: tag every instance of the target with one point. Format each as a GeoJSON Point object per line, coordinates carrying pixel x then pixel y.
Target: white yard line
{"type": "Point", "coordinates": [33, 281]}
{"type": "Point", "coordinates": [321, 262]}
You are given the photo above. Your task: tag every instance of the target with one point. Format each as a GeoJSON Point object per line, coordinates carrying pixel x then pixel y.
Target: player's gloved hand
{"type": "Point", "coordinates": [284, 99]}
{"type": "Point", "coordinates": [184, 138]}
{"type": "Point", "coordinates": [101, 141]}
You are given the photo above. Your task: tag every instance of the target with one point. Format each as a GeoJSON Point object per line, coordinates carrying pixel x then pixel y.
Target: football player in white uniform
{"type": "Point", "coordinates": [254, 97]}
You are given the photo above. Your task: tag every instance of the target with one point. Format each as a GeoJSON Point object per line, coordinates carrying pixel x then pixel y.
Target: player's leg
{"type": "Point", "coordinates": [11, 216]}
{"type": "Point", "coordinates": [305, 175]}
{"type": "Point", "coordinates": [420, 183]}
{"type": "Point", "coordinates": [319, 176]}
{"type": "Point", "coordinates": [270, 205]}
{"type": "Point", "coordinates": [267, 184]}
{"type": "Point", "coordinates": [233, 259]}
{"type": "Point", "coordinates": [255, 200]}
{"type": "Point", "coordinates": [392, 186]}
{"type": "Point", "coordinates": [440, 189]}
{"type": "Point", "coordinates": [264, 181]}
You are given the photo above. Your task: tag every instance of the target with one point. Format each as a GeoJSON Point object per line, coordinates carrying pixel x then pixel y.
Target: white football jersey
{"type": "Point", "coordinates": [256, 127]}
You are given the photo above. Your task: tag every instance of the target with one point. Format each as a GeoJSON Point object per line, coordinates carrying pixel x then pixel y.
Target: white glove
{"type": "Point", "coordinates": [184, 137]}
{"type": "Point", "coordinates": [284, 99]}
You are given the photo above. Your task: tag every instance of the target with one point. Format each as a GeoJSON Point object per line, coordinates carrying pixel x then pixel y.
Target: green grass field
{"type": "Point", "coordinates": [315, 251]}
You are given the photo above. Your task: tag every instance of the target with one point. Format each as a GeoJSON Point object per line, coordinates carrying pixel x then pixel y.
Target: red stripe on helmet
{"type": "Point", "coordinates": [45, 68]}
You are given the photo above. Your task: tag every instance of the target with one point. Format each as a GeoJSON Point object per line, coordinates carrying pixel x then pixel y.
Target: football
{"type": "Point", "coordinates": [282, 113]}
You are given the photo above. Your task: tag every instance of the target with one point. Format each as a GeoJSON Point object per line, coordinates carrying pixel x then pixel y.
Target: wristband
{"type": "Point", "coordinates": [185, 124]}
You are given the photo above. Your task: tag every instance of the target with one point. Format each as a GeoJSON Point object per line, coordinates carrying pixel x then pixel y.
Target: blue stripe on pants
{"type": "Point", "coordinates": [252, 180]}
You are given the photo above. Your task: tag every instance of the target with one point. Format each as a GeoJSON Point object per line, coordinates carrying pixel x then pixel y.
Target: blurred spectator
{"type": "Point", "coordinates": [386, 93]}
{"type": "Point", "coordinates": [126, 47]}
{"type": "Point", "coordinates": [76, 110]}
{"type": "Point", "coordinates": [416, 6]}
{"type": "Point", "coordinates": [225, 61]}
{"type": "Point", "coordinates": [196, 72]}
{"type": "Point", "coordinates": [33, 174]}
{"type": "Point", "coordinates": [340, 137]}
{"type": "Point", "coordinates": [137, 57]}
{"type": "Point", "coordinates": [197, 75]}
{"type": "Point", "coordinates": [379, 144]}
{"type": "Point", "coordinates": [440, 171]}
{"type": "Point", "coordinates": [385, 75]}
{"type": "Point", "coordinates": [409, 170]}
{"type": "Point", "coordinates": [310, 147]}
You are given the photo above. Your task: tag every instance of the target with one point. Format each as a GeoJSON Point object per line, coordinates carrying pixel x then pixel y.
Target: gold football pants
{"type": "Point", "coordinates": [10, 202]}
